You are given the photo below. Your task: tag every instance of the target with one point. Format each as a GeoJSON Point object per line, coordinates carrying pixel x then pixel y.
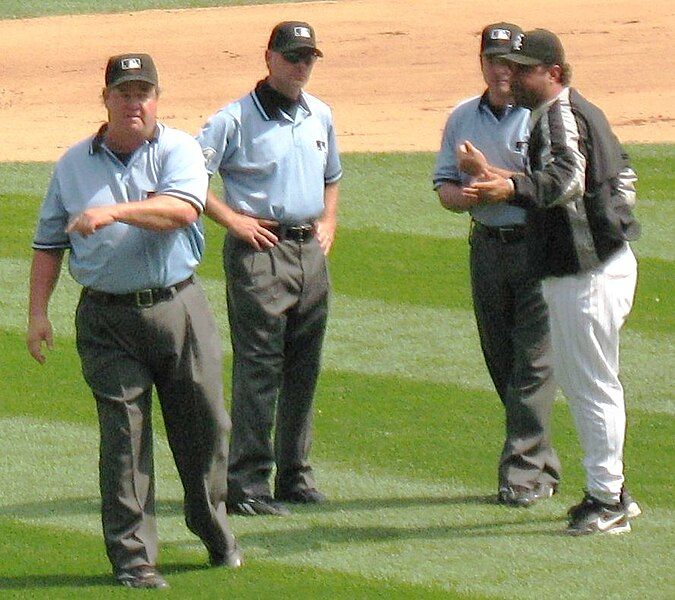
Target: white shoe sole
{"type": "Point", "coordinates": [633, 510]}
{"type": "Point", "coordinates": [616, 530]}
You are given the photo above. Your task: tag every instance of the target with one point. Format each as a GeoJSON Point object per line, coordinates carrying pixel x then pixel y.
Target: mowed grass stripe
{"type": "Point", "coordinates": [392, 193]}
{"type": "Point", "coordinates": [434, 535]}
{"type": "Point", "coordinates": [49, 563]}
{"type": "Point", "coordinates": [375, 337]}
{"type": "Point", "coordinates": [377, 424]}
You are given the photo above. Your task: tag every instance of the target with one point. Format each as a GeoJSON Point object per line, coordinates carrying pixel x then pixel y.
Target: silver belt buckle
{"type": "Point", "coordinates": [144, 298]}
{"type": "Point", "coordinates": [504, 234]}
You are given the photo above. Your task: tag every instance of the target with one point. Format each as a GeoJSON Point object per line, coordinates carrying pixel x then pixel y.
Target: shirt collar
{"type": "Point", "coordinates": [274, 105]}
{"type": "Point", "coordinates": [484, 104]}
{"type": "Point", "coordinates": [97, 142]}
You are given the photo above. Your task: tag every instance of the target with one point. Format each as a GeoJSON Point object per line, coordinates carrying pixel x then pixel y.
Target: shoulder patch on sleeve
{"type": "Point", "coordinates": [208, 153]}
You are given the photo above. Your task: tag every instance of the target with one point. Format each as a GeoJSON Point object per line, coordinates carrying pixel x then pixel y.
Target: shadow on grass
{"type": "Point", "coordinates": [173, 507]}
{"type": "Point", "coordinates": [53, 508]}
{"type": "Point", "coordinates": [405, 502]}
{"type": "Point", "coordinates": [319, 537]}
{"type": "Point", "coordinates": [301, 536]}
{"type": "Point", "coordinates": [56, 580]}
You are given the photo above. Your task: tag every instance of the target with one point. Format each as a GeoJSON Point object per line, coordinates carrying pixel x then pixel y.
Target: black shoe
{"type": "Point", "coordinates": [302, 496]}
{"type": "Point", "coordinates": [518, 495]}
{"type": "Point", "coordinates": [231, 558]}
{"type": "Point", "coordinates": [141, 577]}
{"type": "Point", "coordinates": [258, 505]}
{"type": "Point", "coordinates": [630, 506]}
{"type": "Point", "coordinates": [593, 516]}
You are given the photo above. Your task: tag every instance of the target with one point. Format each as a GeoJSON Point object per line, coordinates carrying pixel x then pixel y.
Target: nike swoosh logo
{"type": "Point", "coordinates": [605, 524]}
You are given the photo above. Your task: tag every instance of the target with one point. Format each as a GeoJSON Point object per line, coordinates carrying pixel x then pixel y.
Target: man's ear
{"type": "Point", "coordinates": [555, 73]}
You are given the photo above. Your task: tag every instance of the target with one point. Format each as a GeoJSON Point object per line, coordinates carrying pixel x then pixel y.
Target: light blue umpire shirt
{"type": "Point", "coordinates": [273, 166]}
{"type": "Point", "coordinates": [121, 258]}
{"type": "Point", "coordinates": [503, 142]}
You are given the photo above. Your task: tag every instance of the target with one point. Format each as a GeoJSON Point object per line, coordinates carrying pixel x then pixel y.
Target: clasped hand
{"type": "Point", "coordinates": [487, 186]}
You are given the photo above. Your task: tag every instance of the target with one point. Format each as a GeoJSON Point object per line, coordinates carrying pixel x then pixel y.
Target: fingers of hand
{"type": "Point", "coordinates": [470, 192]}
{"type": "Point", "coordinates": [80, 224]}
{"type": "Point", "coordinates": [35, 349]}
{"type": "Point", "coordinates": [268, 236]}
{"type": "Point", "coordinates": [325, 243]}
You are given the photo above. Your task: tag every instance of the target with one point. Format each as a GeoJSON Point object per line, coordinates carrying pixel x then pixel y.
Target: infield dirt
{"type": "Point", "coordinates": [392, 70]}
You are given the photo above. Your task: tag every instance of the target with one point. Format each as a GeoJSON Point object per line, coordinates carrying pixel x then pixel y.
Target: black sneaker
{"type": "Point", "coordinates": [630, 506]}
{"type": "Point", "coordinates": [145, 577]}
{"type": "Point", "coordinates": [231, 558]}
{"type": "Point", "coordinates": [258, 505]}
{"type": "Point", "coordinates": [301, 496]}
{"type": "Point", "coordinates": [518, 495]}
{"type": "Point", "coordinates": [593, 516]}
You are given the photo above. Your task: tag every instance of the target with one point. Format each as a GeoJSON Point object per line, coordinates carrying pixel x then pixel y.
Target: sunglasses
{"type": "Point", "coordinates": [295, 57]}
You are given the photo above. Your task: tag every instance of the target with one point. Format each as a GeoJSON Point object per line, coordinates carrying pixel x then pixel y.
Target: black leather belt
{"type": "Point", "coordinates": [506, 234]}
{"type": "Point", "coordinates": [141, 298]}
{"type": "Point", "coordinates": [298, 233]}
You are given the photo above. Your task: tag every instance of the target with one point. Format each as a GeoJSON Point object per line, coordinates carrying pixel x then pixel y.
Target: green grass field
{"type": "Point", "coordinates": [21, 9]}
{"type": "Point", "coordinates": [407, 427]}
{"type": "Point", "coordinates": [407, 432]}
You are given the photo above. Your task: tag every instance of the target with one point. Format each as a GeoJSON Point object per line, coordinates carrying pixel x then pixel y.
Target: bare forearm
{"type": "Point", "coordinates": [452, 198]}
{"type": "Point", "coordinates": [158, 213]}
{"type": "Point", "coordinates": [330, 200]}
{"type": "Point", "coordinates": [326, 224]}
{"type": "Point", "coordinates": [218, 211]}
{"type": "Point", "coordinates": [44, 274]}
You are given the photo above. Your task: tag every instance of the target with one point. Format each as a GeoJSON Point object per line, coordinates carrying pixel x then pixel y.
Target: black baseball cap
{"type": "Point", "coordinates": [497, 38]}
{"type": "Point", "coordinates": [130, 67]}
{"type": "Point", "coordinates": [289, 36]}
{"type": "Point", "coordinates": [537, 47]}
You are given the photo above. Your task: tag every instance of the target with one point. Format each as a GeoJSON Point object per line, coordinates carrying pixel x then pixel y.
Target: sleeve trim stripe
{"type": "Point", "coordinates": [334, 178]}
{"type": "Point", "coordinates": [45, 246]}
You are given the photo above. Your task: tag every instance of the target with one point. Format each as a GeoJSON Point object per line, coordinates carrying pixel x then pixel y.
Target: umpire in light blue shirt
{"type": "Point", "coordinates": [510, 311]}
{"type": "Point", "coordinates": [125, 204]}
{"type": "Point", "coordinates": [276, 152]}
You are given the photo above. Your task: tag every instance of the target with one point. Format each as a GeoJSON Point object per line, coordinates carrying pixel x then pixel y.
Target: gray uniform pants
{"type": "Point", "coordinates": [277, 307]}
{"type": "Point", "coordinates": [174, 345]}
{"type": "Point", "coordinates": [513, 325]}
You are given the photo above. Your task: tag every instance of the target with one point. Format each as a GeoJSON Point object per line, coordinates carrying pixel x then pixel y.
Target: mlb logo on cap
{"type": "Point", "coordinates": [496, 39]}
{"type": "Point", "coordinates": [130, 67]}
{"type": "Point", "coordinates": [302, 32]}
{"type": "Point", "coordinates": [130, 63]}
{"type": "Point", "coordinates": [291, 36]}
{"type": "Point", "coordinates": [500, 34]}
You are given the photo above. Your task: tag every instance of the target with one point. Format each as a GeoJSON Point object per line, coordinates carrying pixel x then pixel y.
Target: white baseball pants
{"type": "Point", "coordinates": [587, 311]}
